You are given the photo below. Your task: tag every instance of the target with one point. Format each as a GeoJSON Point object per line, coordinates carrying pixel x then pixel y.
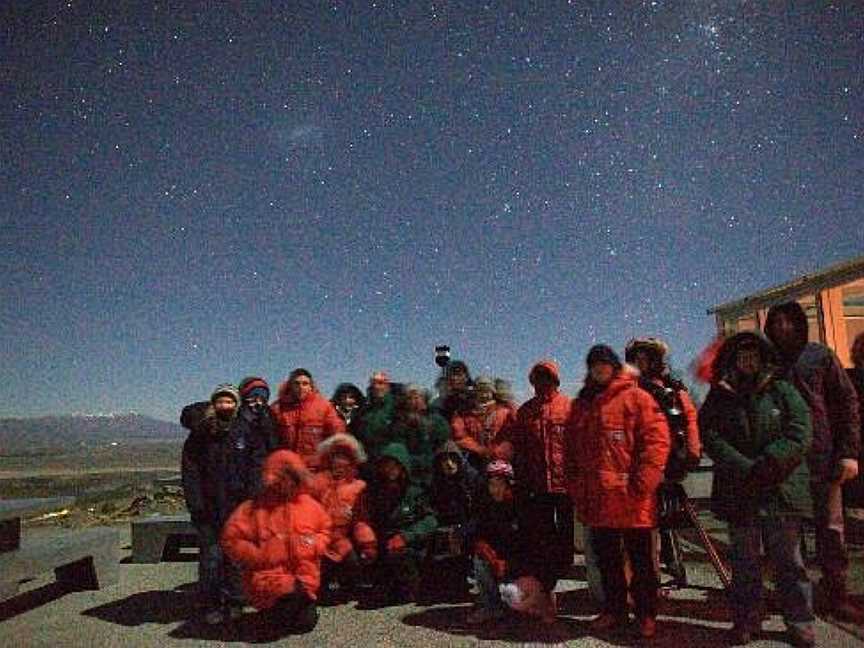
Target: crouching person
{"type": "Point", "coordinates": [278, 539]}
{"type": "Point", "coordinates": [345, 498]}
{"type": "Point", "coordinates": [404, 523]}
{"type": "Point", "coordinates": [221, 467]}
{"type": "Point", "coordinates": [497, 537]}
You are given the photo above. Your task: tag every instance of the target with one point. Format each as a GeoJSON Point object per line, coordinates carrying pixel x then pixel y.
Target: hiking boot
{"type": "Point", "coordinates": [647, 627]}
{"type": "Point", "coordinates": [607, 621]}
{"type": "Point", "coordinates": [802, 636]}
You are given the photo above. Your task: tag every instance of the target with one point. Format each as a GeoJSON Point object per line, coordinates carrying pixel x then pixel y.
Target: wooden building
{"type": "Point", "coordinates": [833, 299]}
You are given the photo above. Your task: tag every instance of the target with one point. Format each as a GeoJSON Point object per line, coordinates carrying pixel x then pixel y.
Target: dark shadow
{"type": "Point", "coordinates": [255, 628]}
{"type": "Point", "coordinates": [577, 602]}
{"type": "Point", "coordinates": [26, 601]}
{"type": "Point", "coordinates": [515, 628]}
{"type": "Point", "coordinates": [154, 606]}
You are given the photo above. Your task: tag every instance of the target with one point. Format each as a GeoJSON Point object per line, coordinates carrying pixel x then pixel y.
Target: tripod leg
{"type": "Point", "coordinates": [670, 553]}
{"type": "Point", "coordinates": [717, 562]}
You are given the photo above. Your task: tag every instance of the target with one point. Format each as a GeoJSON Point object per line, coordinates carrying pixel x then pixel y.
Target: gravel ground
{"type": "Point", "coordinates": [152, 606]}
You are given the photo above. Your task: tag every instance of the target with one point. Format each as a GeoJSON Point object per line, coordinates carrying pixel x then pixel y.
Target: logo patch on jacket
{"type": "Point", "coordinates": [616, 436]}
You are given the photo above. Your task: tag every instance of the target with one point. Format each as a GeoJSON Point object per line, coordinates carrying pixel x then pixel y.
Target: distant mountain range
{"type": "Point", "coordinates": [23, 435]}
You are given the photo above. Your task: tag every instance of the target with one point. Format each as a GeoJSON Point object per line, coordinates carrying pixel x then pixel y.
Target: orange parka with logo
{"type": "Point", "coordinates": [278, 542]}
{"type": "Point", "coordinates": [617, 445]}
{"type": "Point", "coordinates": [476, 430]}
{"type": "Point", "coordinates": [534, 442]}
{"type": "Point", "coordinates": [302, 424]}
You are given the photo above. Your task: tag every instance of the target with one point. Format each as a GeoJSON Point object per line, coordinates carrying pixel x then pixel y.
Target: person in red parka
{"type": "Point", "coordinates": [344, 496]}
{"type": "Point", "coordinates": [534, 445]}
{"type": "Point", "coordinates": [617, 444]}
{"type": "Point", "coordinates": [278, 538]}
{"type": "Point", "coordinates": [304, 417]}
{"type": "Point", "coordinates": [475, 430]}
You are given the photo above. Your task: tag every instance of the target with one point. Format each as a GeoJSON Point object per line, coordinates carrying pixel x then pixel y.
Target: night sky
{"type": "Point", "coordinates": [191, 192]}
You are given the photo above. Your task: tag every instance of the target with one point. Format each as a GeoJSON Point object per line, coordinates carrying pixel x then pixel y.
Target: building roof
{"type": "Point", "coordinates": [833, 275]}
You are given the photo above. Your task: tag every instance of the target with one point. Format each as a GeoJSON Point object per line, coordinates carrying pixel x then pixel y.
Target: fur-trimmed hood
{"type": "Point", "coordinates": [340, 442]}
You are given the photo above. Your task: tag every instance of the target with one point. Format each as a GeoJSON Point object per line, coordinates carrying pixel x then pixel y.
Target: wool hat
{"type": "Point", "coordinates": [602, 353]}
{"type": "Point", "coordinates": [502, 469]}
{"type": "Point", "coordinates": [252, 386]}
{"type": "Point", "coordinates": [545, 366]}
{"type": "Point", "coordinates": [503, 389]}
{"type": "Point", "coordinates": [225, 389]}
{"type": "Point", "coordinates": [486, 381]}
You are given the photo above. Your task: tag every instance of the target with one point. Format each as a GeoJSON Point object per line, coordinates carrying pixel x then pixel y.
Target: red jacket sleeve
{"type": "Point", "coordinates": [654, 447]}
{"type": "Point", "coordinates": [694, 443]}
{"type": "Point", "coordinates": [238, 539]}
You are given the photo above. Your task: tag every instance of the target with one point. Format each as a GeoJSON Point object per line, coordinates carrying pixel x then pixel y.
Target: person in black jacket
{"type": "Point", "coordinates": [221, 467]}
{"type": "Point", "coordinates": [255, 395]}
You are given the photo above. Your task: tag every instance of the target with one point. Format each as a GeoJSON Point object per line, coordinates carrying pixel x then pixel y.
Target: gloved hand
{"type": "Point", "coordinates": [396, 544]}
{"type": "Point", "coordinates": [368, 551]}
{"type": "Point", "coordinates": [847, 469]}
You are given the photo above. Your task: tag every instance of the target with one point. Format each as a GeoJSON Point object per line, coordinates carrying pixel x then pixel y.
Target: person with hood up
{"type": "Point", "coordinates": [220, 467]}
{"type": "Point", "coordinates": [756, 429]}
{"type": "Point", "coordinates": [833, 459]}
{"type": "Point", "coordinates": [345, 498]}
{"type": "Point", "coordinates": [255, 395]}
{"type": "Point", "coordinates": [303, 416]}
{"type": "Point", "coordinates": [403, 522]}
{"type": "Point", "coordinates": [421, 431]}
{"type": "Point", "coordinates": [617, 444]}
{"type": "Point", "coordinates": [475, 430]}
{"type": "Point", "coordinates": [278, 539]}
{"type": "Point", "coordinates": [452, 495]}
{"type": "Point", "coordinates": [534, 444]}
{"type": "Point", "coordinates": [348, 401]}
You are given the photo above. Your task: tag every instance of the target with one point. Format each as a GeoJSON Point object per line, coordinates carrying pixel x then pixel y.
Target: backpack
{"type": "Point", "coordinates": [667, 396]}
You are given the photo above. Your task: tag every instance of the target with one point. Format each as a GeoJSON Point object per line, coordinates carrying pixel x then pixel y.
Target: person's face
{"type": "Point", "coordinates": [601, 372]}
{"type": "Point", "coordinates": [340, 466]}
{"type": "Point", "coordinates": [642, 362]}
{"type": "Point", "coordinates": [456, 380]}
{"type": "Point", "coordinates": [389, 469]}
{"type": "Point", "coordinates": [416, 402]}
{"type": "Point", "coordinates": [286, 485]}
{"type": "Point", "coordinates": [224, 406]}
{"type": "Point", "coordinates": [255, 402]}
{"type": "Point", "coordinates": [783, 331]}
{"type": "Point", "coordinates": [301, 386]}
{"type": "Point", "coordinates": [499, 489]}
{"type": "Point", "coordinates": [347, 401]}
{"type": "Point", "coordinates": [379, 388]}
{"type": "Point", "coordinates": [543, 381]}
{"type": "Point", "coordinates": [449, 465]}
{"type": "Point", "coordinates": [485, 394]}
{"type": "Point", "coordinates": [748, 361]}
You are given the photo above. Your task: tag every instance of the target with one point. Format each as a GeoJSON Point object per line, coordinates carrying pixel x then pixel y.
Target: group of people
{"type": "Point", "coordinates": [305, 500]}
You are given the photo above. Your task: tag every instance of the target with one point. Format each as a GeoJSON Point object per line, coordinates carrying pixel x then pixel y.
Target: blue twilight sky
{"type": "Point", "coordinates": [191, 192]}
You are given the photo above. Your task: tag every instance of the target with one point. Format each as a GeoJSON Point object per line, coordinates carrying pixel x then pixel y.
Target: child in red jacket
{"type": "Point", "coordinates": [278, 539]}
{"type": "Point", "coordinates": [344, 496]}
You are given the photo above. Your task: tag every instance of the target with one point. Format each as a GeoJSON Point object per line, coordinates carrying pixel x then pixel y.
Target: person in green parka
{"type": "Point", "coordinates": [421, 431]}
{"type": "Point", "coordinates": [757, 430]}
{"type": "Point", "coordinates": [403, 522]}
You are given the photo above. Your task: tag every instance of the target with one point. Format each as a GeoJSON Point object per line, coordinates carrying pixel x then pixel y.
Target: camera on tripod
{"type": "Point", "coordinates": [442, 355]}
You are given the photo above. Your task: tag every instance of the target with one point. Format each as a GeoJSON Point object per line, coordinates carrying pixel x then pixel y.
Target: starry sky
{"type": "Point", "coordinates": [192, 192]}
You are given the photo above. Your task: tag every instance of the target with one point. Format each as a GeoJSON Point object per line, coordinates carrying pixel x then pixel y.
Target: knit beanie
{"type": "Point", "coordinates": [253, 386]}
{"type": "Point", "coordinates": [225, 389]}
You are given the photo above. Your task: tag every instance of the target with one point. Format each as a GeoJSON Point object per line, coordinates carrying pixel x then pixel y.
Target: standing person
{"type": "Point", "coordinates": [756, 429]}
{"type": "Point", "coordinates": [534, 445]}
{"type": "Point", "coordinates": [833, 459]}
{"type": "Point", "coordinates": [304, 417]}
{"type": "Point", "coordinates": [855, 490]}
{"type": "Point", "coordinates": [421, 431]}
{"type": "Point", "coordinates": [617, 444]}
{"type": "Point", "coordinates": [475, 430]}
{"type": "Point", "coordinates": [348, 401]}
{"type": "Point", "coordinates": [278, 538]}
{"type": "Point", "coordinates": [255, 395]}
{"type": "Point", "coordinates": [403, 522]}
{"type": "Point", "coordinates": [372, 423]}
{"type": "Point", "coordinates": [455, 397]}
{"type": "Point", "coordinates": [648, 355]}
{"type": "Point", "coordinates": [221, 467]}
